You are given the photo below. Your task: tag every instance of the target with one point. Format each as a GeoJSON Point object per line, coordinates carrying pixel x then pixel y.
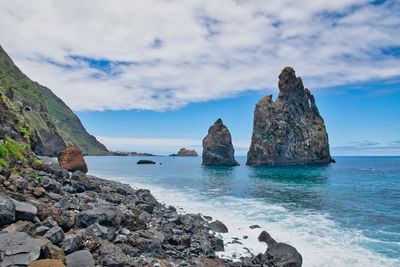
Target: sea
{"type": "Point", "coordinates": [342, 214]}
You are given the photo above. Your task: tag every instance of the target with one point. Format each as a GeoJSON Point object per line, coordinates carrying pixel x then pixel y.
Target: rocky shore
{"type": "Point", "coordinates": [52, 217]}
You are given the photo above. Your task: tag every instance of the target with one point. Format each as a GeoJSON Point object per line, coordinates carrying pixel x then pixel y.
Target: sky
{"type": "Point", "coordinates": [153, 75]}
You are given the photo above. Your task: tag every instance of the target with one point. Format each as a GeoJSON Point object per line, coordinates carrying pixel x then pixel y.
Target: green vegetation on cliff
{"type": "Point", "coordinates": [46, 116]}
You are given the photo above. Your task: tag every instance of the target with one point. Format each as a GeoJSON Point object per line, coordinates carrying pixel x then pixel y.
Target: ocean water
{"type": "Point", "coordinates": [343, 214]}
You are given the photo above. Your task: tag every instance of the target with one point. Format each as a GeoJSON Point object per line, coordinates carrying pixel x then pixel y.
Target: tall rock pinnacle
{"type": "Point", "coordinates": [217, 146]}
{"type": "Point", "coordinates": [289, 130]}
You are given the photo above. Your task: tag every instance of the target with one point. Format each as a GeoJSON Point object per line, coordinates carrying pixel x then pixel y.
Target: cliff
{"type": "Point", "coordinates": [289, 130]}
{"type": "Point", "coordinates": [55, 125]}
{"type": "Point", "coordinates": [217, 146]}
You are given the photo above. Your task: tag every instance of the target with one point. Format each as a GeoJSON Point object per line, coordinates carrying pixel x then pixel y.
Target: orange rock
{"type": "Point", "coordinates": [46, 263]}
{"type": "Point", "coordinates": [71, 159]}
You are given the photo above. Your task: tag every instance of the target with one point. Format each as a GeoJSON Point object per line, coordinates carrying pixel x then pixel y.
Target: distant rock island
{"type": "Point", "coordinates": [217, 146]}
{"type": "Point", "coordinates": [289, 130]}
{"type": "Point", "coordinates": [183, 152]}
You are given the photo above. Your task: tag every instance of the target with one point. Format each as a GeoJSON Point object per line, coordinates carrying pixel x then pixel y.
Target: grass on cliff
{"type": "Point", "coordinates": [12, 151]}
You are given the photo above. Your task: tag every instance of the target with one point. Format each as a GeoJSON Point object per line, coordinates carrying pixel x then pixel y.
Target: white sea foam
{"type": "Point", "coordinates": [319, 239]}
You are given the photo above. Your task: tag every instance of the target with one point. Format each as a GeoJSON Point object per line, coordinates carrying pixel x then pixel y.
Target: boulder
{"type": "Point", "coordinates": [289, 130]}
{"type": "Point", "coordinates": [71, 159]}
{"type": "Point", "coordinates": [105, 216]}
{"type": "Point", "coordinates": [112, 255]}
{"type": "Point", "coordinates": [145, 161]}
{"type": "Point", "coordinates": [80, 258]}
{"type": "Point", "coordinates": [283, 255]}
{"type": "Point", "coordinates": [218, 226]}
{"type": "Point", "coordinates": [24, 211]}
{"type": "Point", "coordinates": [217, 146]}
{"type": "Point", "coordinates": [47, 263]}
{"type": "Point", "coordinates": [55, 234]}
{"type": "Point", "coordinates": [7, 210]}
{"type": "Point", "coordinates": [71, 243]}
{"type": "Point", "coordinates": [265, 237]}
{"type": "Point", "coordinates": [183, 152]}
{"type": "Point", "coordinates": [18, 248]}
{"type": "Point", "coordinates": [20, 226]}
{"type": "Point", "coordinates": [50, 185]}
{"type": "Point", "coordinates": [83, 179]}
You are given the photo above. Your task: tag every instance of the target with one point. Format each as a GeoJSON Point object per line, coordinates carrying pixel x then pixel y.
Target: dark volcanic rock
{"type": "Point", "coordinates": [183, 152]}
{"type": "Point", "coordinates": [218, 226]}
{"type": "Point", "coordinates": [289, 130]}
{"type": "Point", "coordinates": [145, 161]}
{"type": "Point", "coordinates": [71, 159]}
{"type": "Point", "coordinates": [265, 237]}
{"type": "Point", "coordinates": [55, 234]}
{"type": "Point", "coordinates": [70, 243]}
{"type": "Point", "coordinates": [18, 249]}
{"type": "Point", "coordinates": [80, 258]}
{"type": "Point", "coordinates": [7, 210]}
{"type": "Point", "coordinates": [283, 255]}
{"type": "Point", "coordinates": [24, 211]}
{"type": "Point", "coordinates": [217, 146]}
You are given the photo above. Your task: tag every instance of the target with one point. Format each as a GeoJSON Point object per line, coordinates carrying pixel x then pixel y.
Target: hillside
{"type": "Point", "coordinates": [55, 125]}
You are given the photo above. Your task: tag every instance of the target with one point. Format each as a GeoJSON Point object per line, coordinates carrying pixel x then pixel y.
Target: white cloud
{"type": "Point", "coordinates": [193, 51]}
{"type": "Point", "coordinates": [162, 145]}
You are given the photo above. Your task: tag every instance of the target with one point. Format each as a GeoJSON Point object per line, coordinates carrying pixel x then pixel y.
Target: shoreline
{"type": "Point", "coordinates": [111, 223]}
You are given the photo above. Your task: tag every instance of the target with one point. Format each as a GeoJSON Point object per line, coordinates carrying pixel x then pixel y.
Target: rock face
{"type": "Point", "coordinates": [18, 248]}
{"type": "Point", "coordinates": [183, 152]}
{"type": "Point", "coordinates": [71, 159]}
{"type": "Point", "coordinates": [289, 130]}
{"type": "Point", "coordinates": [217, 146]}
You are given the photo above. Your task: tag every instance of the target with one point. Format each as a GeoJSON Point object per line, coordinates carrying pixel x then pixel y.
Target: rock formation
{"type": "Point", "coordinates": [289, 130]}
{"type": "Point", "coordinates": [71, 159]}
{"type": "Point", "coordinates": [183, 152]}
{"type": "Point", "coordinates": [217, 146]}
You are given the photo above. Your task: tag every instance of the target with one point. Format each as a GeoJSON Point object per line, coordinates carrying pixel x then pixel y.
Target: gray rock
{"type": "Point", "coordinates": [289, 130]}
{"type": "Point", "coordinates": [98, 230]}
{"type": "Point", "coordinates": [50, 222]}
{"type": "Point", "coordinates": [55, 234]}
{"type": "Point", "coordinates": [82, 179]}
{"type": "Point", "coordinates": [7, 210]}
{"type": "Point", "coordinates": [104, 216]}
{"type": "Point", "coordinates": [80, 258]}
{"type": "Point", "coordinates": [71, 243]}
{"type": "Point", "coordinates": [283, 255]}
{"type": "Point", "coordinates": [265, 237]}
{"type": "Point", "coordinates": [217, 146]}
{"type": "Point", "coordinates": [112, 255]}
{"type": "Point", "coordinates": [18, 249]}
{"type": "Point", "coordinates": [146, 207]}
{"type": "Point", "coordinates": [254, 226]}
{"type": "Point", "coordinates": [218, 226]}
{"type": "Point", "coordinates": [50, 185]}
{"type": "Point", "coordinates": [120, 239]}
{"type": "Point", "coordinates": [24, 211]}
{"type": "Point", "coordinates": [147, 240]}
{"type": "Point", "coordinates": [77, 187]}
{"type": "Point", "coordinates": [21, 183]}
{"type": "Point", "coordinates": [41, 230]}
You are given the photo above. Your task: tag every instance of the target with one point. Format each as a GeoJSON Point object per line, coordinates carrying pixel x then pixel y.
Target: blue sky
{"type": "Point", "coordinates": [153, 75]}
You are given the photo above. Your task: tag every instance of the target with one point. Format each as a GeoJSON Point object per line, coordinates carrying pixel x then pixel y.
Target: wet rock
{"type": "Point", "coordinates": [7, 210]}
{"type": "Point", "coordinates": [70, 243]}
{"type": "Point", "coordinates": [71, 159]}
{"type": "Point", "coordinates": [217, 146]}
{"type": "Point", "coordinates": [47, 263]}
{"type": "Point", "coordinates": [80, 258]}
{"type": "Point", "coordinates": [218, 226]}
{"type": "Point", "coordinates": [289, 130]}
{"type": "Point", "coordinates": [145, 161]}
{"type": "Point", "coordinates": [18, 248]}
{"type": "Point", "coordinates": [55, 234]}
{"type": "Point", "coordinates": [254, 226]}
{"type": "Point", "coordinates": [24, 211]}
{"type": "Point", "coordinates": [283, 255]}
{"type": "Point", "coordinates": [265, 237]}
{"type": "Point", "coordinates": [218, 244]}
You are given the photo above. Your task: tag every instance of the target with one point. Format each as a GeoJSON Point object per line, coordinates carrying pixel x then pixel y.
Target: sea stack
{"type": "Point", "coordinates": [183, 152]}
{"type": "Point", "coordinates": [289, 130]}
{"type": "Point", "coordinates": [217, 146]}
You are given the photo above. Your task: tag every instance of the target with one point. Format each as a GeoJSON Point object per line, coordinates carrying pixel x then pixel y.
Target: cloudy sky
{"type": "Point", "coordinates": [167, 69]}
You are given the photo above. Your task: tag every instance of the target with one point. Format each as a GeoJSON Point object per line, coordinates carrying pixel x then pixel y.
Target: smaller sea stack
{"type": "Point", "coordinates": [217, 146]}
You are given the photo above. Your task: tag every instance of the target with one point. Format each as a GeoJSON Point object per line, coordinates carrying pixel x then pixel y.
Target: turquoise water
{"type": "Point", "coordinates": [343, 214]}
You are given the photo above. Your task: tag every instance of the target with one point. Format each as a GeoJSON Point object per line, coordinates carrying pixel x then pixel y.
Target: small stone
{"type": "Point", "coordinates": [254, 226]}
{"type": "Point", "coordinates": [80, 258]}
{"type": "Point", "coordinates": [51, 251]}
{"type": "Point", "coordinates": [41, 230]}
{"type": "Point", "coordinates": [7, 210]}
{"type": "Point", "coordinates": [55, 234]}
{"type": "Point", "coordinates": [39, 192]}
{"type": "Point", "coordinates": [71, 243]}
{"type": "Point", "coordinates": [145, 161]}
{"type": "Point", "coordinates": [47, 263]}
{"type": "Point", "coordinates": [24, 211]}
